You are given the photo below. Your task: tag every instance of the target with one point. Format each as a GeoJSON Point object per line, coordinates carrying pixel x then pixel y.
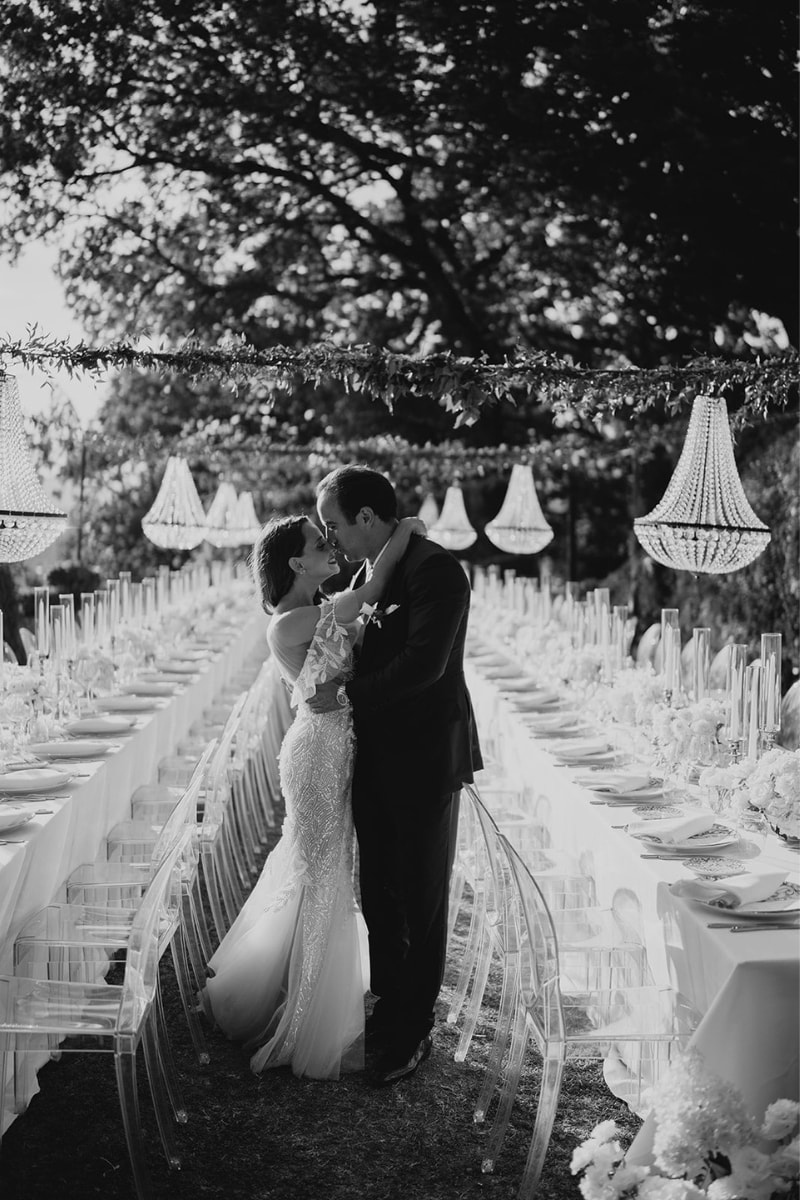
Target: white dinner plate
{"type": "Point", "coordinates": [37, 779]}
{"type": "Point", "coordinates": [12, 815]}
{"type": "Point", "coordinates": [74, 748]}
{"type": "Point", "coordinates": [104, 726]}
{"type": "Point", "coordinates": [717, 835]}
{"type": "Point", "coordinates": [652, 795]}
{"type": "Point", "coordinates": [164, 677]}
{"type": "Point", "coordinates": [127, 704]}
{"type": "Point", "coordinates": [579, 749]}
{"type": "Point", "coordinates": [535, 701]}
{"type": "Point", "coordinates": [784, 902]}
{"type": "Point", "coordinates": [145, 688]}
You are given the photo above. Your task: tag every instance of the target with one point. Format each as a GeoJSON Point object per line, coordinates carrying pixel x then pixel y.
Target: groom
{"type": "Point", "coordinates": [416, 744]}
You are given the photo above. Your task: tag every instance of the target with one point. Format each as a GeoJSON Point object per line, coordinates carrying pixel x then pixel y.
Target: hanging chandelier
{"type": "Point", "coordinates": [222, 519]}
{"type": "Point", "coordinates": [429, 511]}
{"type": "Point", "coordinates": [247, 522]}
{"type": "Point", "coordinates": [453, 529]}
{"type": "Point", "coordinates": [520, 526]}
{"type": "Point", "coordinates": [703, 523]}
{"type": "Point", "coordinates": [29, 522]}
{"type": "Point", "coordinates": [176, 520]}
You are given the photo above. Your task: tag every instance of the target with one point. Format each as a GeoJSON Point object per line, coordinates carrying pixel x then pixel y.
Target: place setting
{"type": "Point", "coordinates": [762, 901]}
{"type": "Point", "coordinates": [33, 780]}
{"type": "Point", "coordinates": [690, 832]}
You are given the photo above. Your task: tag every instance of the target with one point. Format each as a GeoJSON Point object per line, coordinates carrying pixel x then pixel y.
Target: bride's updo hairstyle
{"type": "Point", "coordinates": [278, 541]}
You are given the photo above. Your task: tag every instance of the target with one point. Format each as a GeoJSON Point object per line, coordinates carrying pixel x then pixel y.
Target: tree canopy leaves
{"type": "Point", "coordinates": [608, 178]}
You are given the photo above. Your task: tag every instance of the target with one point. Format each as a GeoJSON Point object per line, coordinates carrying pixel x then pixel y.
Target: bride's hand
{"type": "Point", "coordinates": [407, 526]}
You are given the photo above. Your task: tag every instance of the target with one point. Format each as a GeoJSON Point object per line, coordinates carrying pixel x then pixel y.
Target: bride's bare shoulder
{"type": "Point", "coordinates": [294, 626]}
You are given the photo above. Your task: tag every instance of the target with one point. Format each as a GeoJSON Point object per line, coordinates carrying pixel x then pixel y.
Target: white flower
{"type": "Point", "coordinates": [655, 1187]}
{"type": "Point", "coordinates": [781, 1119]}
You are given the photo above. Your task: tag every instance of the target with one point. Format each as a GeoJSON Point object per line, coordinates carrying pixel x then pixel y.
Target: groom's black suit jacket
{"type": "Point", "coordinates": [411, 709]}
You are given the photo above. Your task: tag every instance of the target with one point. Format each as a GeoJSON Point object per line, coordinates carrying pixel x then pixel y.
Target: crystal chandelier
{"type": "Point", "coordinates": [247, 522]}
{"type": "Point", "coordinates": [176, 520]}
{"type": "Point", "coordinates": [703, 523]}
{"type": "Point", "coordinates": [222, 519]}
{"type": "Point", "coordinates": [453, 530]}
{"type": "Point", "coordinates": [29, 523]}
{"type": "Point", "coordinates": [520, 526]}
{"type": "Point", "coordinates": [429, 511]}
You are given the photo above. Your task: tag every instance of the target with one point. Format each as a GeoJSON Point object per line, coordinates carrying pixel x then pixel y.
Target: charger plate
{"type": "Point", "coordinates": [127, 704]}
{"type": "Point", "coordinates": [74, 748]}
{"type": "Point", "coordinates": [37, 779]}
{"type": "Point", "coordinates": [101, 726]}
{"type": "Point", "coordinates": [13, 815]}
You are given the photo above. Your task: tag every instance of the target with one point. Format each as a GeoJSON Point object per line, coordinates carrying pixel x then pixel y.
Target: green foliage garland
{"type": "Point", "coordinates": [463, 386]}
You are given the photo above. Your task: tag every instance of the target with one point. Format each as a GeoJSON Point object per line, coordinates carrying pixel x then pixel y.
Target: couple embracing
{"type": "Point", "coordinates": [382, 740]}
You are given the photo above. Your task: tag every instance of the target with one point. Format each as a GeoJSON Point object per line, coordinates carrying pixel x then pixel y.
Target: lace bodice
{"type": "Point", "coordinates": [329, 654]}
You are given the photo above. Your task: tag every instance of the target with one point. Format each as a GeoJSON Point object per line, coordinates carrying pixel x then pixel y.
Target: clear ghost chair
{"type": "Point", "coordinates": [74, 936]}
{"type": "Point", "coordinates": [789, 736]}
{"type": "Point", "coordinates": [598, 949]}
{"type": "Point", "coordinates": [658, 1021]}
{"type": "Point", "coordinates": [115, 1018]}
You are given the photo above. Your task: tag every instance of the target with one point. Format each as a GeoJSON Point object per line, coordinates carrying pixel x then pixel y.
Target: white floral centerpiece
{"type": "Point", "coordinates": [634, 696]}
{"type": "Point", "coordinates": [773, 786]}
{"type": "Point", "coordinates": [705, 1144]}
{"type": "Point", "coordinates": [690, 734]}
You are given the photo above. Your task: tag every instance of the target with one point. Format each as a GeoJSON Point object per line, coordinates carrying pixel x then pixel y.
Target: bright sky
{"type": "Point", "coordinates": [30, 294]}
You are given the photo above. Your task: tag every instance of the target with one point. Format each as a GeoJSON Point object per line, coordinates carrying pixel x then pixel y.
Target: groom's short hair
{"type": "Point", "coordinates": [354, 488]}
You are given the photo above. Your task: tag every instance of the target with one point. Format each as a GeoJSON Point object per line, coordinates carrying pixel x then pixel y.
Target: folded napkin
{"type": "Point", "coordinates": [617, 784]}
{"type": "Point", "coordinates": [730, 893]}
{"type": "Point", "coordinates": [670, 830]}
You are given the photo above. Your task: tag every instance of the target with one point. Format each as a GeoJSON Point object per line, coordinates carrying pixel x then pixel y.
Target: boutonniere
{"type": "Point", "coordinates": [371, 613]}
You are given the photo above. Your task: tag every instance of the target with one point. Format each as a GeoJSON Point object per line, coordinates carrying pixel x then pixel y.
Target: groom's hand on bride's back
{"type": "Point", "coordinates": [325, 697]}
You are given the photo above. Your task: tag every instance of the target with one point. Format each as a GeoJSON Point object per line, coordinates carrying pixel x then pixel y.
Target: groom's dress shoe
{"type": "Point", "coordinates": [394, 1066]}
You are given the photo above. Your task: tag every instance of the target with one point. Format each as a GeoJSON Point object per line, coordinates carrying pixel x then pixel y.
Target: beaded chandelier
{"type": "Point", "coordinates": [703, 523]}
{"type": "Point", "coordinates": [520, 526]}
{"type": "Point", "coordinates": [453, 529]}
{"type": "Point", "coordinates": [429, 511]}
{"type": "Point", "coordinates": [222, 519]}
{"type": "Point", "coordinates": [247, 522]}
{"type": "Point", "coordinates": [176, 520]}
{"type": "Point", "coordinates": [29, 522]}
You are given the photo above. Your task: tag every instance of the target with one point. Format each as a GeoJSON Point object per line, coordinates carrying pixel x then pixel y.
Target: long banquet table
{"type": "Point", "coordinates": [747, 986]}
{"type": "Point", "coordinates": [37, 859]}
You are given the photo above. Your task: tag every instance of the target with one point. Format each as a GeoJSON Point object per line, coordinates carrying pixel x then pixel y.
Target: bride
{"type": "Point", "coordinates": [291, 973]}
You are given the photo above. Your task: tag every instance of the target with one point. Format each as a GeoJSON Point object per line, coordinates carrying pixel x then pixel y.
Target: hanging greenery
{"type": "Point", "coordinates": [462, 386]}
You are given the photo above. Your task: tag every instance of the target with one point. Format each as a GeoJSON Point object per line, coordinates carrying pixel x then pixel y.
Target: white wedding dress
{"type": "Point", "coordinates": [291, 973]}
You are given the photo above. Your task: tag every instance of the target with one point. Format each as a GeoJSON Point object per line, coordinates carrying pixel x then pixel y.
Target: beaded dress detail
{"type": "Point", "coordinates": [290, 974]}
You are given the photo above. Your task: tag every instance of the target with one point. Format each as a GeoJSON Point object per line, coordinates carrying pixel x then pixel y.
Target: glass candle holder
{"type": "Point", "coordinates": [701, 662]}
{"type": "Point", "coordinates": [735, 692]}
{"type": "Point", "coordinates": [770, 694]}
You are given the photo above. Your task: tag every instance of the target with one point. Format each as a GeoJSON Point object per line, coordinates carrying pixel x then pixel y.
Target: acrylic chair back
{"type": "Point", "coordinates": [218, 776]}
{"type": "Point", "coordinates": [539, 969]}
{"type": "Point", "coordinates": [184, 814]}
{"type": "Point", "coordinates": [143, 950]}
{"type": "Point", "coordinates": [648, 644]}
{"type": "Point", "coordinates": [789, 736]}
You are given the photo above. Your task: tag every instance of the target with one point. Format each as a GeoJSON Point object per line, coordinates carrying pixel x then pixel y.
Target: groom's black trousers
{"type": "Point", "coordinates": [406, 845]}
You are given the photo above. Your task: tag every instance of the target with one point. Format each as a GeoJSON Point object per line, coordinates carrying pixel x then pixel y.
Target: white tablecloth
{"type": "Point", "coordinates": [53, 845]}
{"type": "Point", "coordinates": [746, 985]}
